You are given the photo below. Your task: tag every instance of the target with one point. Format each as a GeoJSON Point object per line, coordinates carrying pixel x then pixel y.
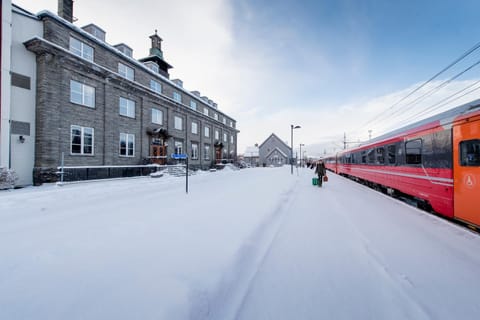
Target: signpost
{"type": "Point", "coordinates": [182, 156]}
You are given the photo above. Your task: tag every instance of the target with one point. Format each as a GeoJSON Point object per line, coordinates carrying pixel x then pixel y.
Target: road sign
{"type": "Point", "coordinates": [178, 156]}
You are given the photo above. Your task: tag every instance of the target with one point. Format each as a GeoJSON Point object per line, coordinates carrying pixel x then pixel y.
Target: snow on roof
{"type": "Point", "coordinates": [251, 152]}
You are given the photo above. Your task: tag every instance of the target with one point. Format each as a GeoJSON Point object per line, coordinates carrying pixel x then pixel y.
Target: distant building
{"type": "Point", "coordinates": [251, 156]}
{"type": "Point", "coordinates": [68, 92]}
{"type": "Point", "coordinates": [273, 152]}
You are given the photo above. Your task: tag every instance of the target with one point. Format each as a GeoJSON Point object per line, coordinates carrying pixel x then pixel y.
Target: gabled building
{"type": "Point", "coordinates": [251, 156]}
{"type": "Point", "coordinates": [274, 152]}
{"type": "Point", "coordinates": [91, 104]}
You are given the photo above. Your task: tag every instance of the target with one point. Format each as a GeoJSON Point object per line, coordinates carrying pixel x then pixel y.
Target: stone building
{"type": "Point", "coordinates": [98, 106]}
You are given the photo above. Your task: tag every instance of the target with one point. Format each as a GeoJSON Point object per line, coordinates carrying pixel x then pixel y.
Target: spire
{"type": "Point", "coordinates": [156, 49]}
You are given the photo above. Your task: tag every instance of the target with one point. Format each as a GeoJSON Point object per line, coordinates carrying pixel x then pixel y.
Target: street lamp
{"type": "Point", "coordinates": [291, 143]}
{"type": "Point", "coordinates": [301, 144]}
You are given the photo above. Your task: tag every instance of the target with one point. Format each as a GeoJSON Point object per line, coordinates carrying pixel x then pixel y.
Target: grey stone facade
{"type": "Point", "coordinates": [273, 152]}
{"type": "Point", "coordinates": [55, 113]}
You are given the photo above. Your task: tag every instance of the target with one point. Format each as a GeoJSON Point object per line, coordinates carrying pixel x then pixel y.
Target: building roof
{"type": "Point", "coordinates": [274, 135]}
{"type": "Point", "coordinates": [251, 152]}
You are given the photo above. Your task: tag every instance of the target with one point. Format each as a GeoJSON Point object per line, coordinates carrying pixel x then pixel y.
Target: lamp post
{"type": "Point", "coordinates": [291, 143]}
{"type": "Point", "coordinates": [304, 162]}
{"type": "Point", "coordinates": [301, 144]}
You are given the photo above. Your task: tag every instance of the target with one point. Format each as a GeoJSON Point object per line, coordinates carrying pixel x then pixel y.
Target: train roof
{"type": "Point", "coordinates": [445, 117]}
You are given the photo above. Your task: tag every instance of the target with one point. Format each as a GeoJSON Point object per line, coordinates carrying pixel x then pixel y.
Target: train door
{"type": "Point", "coordinates": [466, 159]}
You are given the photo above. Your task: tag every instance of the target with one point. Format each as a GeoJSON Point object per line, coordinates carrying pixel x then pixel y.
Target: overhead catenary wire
{"type": "Point", "coordinates": [463, 56]}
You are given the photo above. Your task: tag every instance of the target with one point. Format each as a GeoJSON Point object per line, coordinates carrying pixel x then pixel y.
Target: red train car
{"type": "Point", "coordinates": [435, 161]}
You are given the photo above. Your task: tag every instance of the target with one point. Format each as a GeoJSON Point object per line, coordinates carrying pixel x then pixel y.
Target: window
{"type": "Point", "coordinates": [231, 139]}
{"type": "Point", "coordinates": [81, 49]}
{"type": "Point", "coordinates": [225, 138]}
{"type": "Point", "coordinates": [380, 151]}
{"type": "Point", "coordinates": [371, 156]}
{"type": "Point", "coordinates": [193, 105]}
{"type": "Point", "coordinates": [194, 128]}
{"type": "Point", "coordinates": [205, 111]}
{"type": "Point", "coordinates": [127, 144]}
{"type": "Point", "coordinates": [177, 96]}
{"type": "Point", "coordinates": [178, 123]}
{"type": "Point", "coordinates": [391, 153]}
{"type": "Point", "coordinates": [127, 107]}
{"type": "Point", "coordinates": [178, 147]}
{"type": "Point", "coordinates": [194, 150]}
{"type": "Point", "coordinates": [217, 135]}
{"type": "Point", "coordinates": [470, 153]}
{"type": "Point", "coordinates": [157, 116]}
{"type": "Point", "coordinates": [413, 151]}
{"type": "Point", "coordinates": [126, 72]}
{"type": "Point", "coordinates": [215, 116]}
{"type": "Point", "coordinates": [156, 86]}
{"type": "Point", "coordinates": [231, 124]}
{"type": "Point", "coordinates": [207, 132]}
{"type": "Point", "coordinates": [82, 94]}
{"type": "Point", "coordinates": [206, 153]}
{"type": "Point", "coordinates": [224, 121]}
{"type": "Point", "coordinates": [81, 140]}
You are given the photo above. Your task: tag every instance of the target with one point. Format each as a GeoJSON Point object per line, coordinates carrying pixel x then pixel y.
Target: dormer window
{"type": "Point", "coordinates": [152, 66]}
{"type": "Point", "coordinates": [123, 48]}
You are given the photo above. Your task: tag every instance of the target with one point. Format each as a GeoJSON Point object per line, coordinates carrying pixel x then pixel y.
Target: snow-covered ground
{"type": "Point", "coordinates": [250, 244]}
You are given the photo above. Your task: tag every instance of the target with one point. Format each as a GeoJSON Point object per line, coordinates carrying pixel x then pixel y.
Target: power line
{"type": "Point", "coordinates": [463, 56]}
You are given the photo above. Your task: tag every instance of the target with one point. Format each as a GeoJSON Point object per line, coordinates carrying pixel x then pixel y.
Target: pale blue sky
{"type": "Point", "coordinates": [327, 65]}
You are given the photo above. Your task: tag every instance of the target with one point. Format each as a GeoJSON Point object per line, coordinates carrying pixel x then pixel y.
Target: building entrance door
{"type": "Point", "coordinates": [158, 154]}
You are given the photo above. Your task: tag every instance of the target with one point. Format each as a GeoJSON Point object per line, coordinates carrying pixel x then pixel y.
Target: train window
{"type": "Point", "coordinates": [371, 156]}
{"type": "Point", "coordinates": [413, 151]}
{"type": "Point", "coordinates": [380, 155]}
{"type": "Point", "coordinates": [364, 156]}
{"type": "Point", "coordinates": [470, 153]}
{"type": "Point", "coordinates": [391, 154]}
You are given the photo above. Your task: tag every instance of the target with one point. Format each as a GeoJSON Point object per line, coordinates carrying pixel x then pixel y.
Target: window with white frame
{"type": "Point", "coordinates": [231, 124]}
{"type": "Point", "coordinates": [217, 135]}
{"type": "Point", "coordinates": [178, 123]}
{"type": "Point", "coordinates": [205, 111]}
{"type": "Point", "coordinates": [224, 121]}
{"type": "Point", "coordinates": [81, 49]}
{"type": "Point", "coordinates": [157, 116]}
{"type": "Point", "coordinates": [82, 94]}
{"type": "Point", "coordinates": [127, 107]}
{"type": "Point", "coordinates": [193, 105]}
{"type": "Point", "coordinates": [127, 145]}
{"type": "Point", "coordinates": [206, 132]}
{"type": "Point", "coordinates": [177, 96]}
{"type": "Point", "coordinates": [194, 128]}
{"type": "Point", "coordinates": [81, 140]}
{"type": "Point", "coordinates": [231, 139]}
{"type": "Point", "coordinates": [194, 150]}
{"type": "Point", "coordinates": [178, 147]}
{"type": "Point", "coordinates": [126, 71]}
{"type": "Point", "coordinates": [156, 86]}
{"type": "Point", "coordinates": [225, 137]}
{"type": "Point", "coordinates": [215, 116]}
{"type": "Point", "coordinates": [206, 152]}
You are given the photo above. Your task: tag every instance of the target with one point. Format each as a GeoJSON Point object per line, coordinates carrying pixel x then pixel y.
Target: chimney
{"type": "Point", "coordinates": [65, 10]}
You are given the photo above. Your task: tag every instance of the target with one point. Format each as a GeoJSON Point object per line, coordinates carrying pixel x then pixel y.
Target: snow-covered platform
{"type": "Point", "coordinates": [250, 244]}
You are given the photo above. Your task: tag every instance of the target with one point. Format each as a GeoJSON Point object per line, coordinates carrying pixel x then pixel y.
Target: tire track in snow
{"type": "Point", "coordinates": [226, 302]}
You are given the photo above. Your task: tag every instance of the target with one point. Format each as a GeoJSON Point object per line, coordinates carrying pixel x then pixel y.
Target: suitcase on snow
{"type": "Point", "coordinates": [314, 181]}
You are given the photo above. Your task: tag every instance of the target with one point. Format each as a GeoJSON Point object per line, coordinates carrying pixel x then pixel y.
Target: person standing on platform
{"type": "Point", "coordinates": [320, 171]}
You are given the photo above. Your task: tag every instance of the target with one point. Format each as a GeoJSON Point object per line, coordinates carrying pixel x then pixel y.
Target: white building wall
{"type": "Point", "coordinates": [5, 84]}
{"type": "Point", "coordinates": [24, 27]}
